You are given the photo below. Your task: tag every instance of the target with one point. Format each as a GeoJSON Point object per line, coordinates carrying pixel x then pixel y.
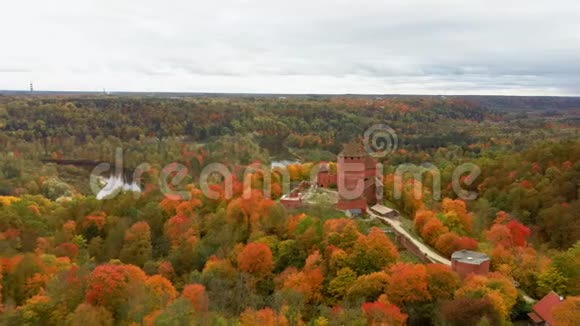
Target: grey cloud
{"type": "Point", "coordinates": [414, 46]}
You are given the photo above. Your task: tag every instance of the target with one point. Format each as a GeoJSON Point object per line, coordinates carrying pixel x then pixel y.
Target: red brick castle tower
{"type": "Point", "coordinates": [356, 168]}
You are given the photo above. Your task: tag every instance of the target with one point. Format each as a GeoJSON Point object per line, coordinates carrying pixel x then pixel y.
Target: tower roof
{"type": "Point", "coordinates": [353, 149]}
{"type": "Point", "coordinates": [469, 257]}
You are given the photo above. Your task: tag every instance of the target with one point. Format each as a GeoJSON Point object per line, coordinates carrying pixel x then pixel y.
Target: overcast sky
{"type": "Point", "coordinates": [301, 46]}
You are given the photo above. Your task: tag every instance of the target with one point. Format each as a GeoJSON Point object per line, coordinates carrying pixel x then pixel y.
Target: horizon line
{"type": "Point", "coordinates": [209, 93]}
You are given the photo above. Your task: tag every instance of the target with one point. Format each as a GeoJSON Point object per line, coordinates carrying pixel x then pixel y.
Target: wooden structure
{"type": "Point", "coordinates": [385, 211]}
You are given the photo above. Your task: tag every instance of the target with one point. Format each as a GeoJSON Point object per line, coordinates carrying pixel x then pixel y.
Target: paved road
{"type": "Point", "coordinates": [430, 253]}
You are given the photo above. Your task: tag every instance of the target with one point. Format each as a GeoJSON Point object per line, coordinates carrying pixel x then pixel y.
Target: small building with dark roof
{"type": "Point", "coordinates": [465, 262]}
{"type": "Point", "coordinates": [385, 211]}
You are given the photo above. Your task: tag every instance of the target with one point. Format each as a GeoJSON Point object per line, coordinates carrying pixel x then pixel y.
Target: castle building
{"type": "Point", "coordinates": [292, 200]}
{"type": "Point", "coordinates": [465, 262]}
{"type": "Point", "coordinates": [356, 168]}
{"type": "Point", "coordinates": [325, 178]}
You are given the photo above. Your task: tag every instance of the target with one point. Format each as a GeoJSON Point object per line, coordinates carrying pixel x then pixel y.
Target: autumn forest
{"type": "Point", "coordinates": [72, 256]}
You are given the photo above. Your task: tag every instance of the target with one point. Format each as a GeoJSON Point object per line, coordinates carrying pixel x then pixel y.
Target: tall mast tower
{"type": "Point", "coordinates": [31, 88]}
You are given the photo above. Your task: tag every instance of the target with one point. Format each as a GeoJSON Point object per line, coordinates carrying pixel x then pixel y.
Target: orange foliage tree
{"type": "Point", "coordinates": [373, 252]}
{"type": "Point", "coordinates": [495, 287]}
{"type": "Point", "coordinates": [382, 312]}
{"type": "Point", "coordinates": [567, 312]}
{"type": "Point", "coordinates": [108, 285]}
{"type": "Point", "coordinates": [166, 270]}
{"type": "Point", "coordinates": [510, 234]}
{"type": "Point", "coordinates": [307, 282]}
{"type": "Point", "coordinates": [263, 317]}
{"type": "Point", "coordinates": [421, 218]}
{"type": "Point", "coordinates": [432, 230]}
{"type": "Point", "coordinates": [456, 215]}
{"type": "Point", "coordinates": [247, 210]}
{"type": "Point", "coordinates": [69, 229]}
{"type": "Point", "coordinates": [451, 242]}
{"type": "Point", "coordinates": [256, 258]}
{"type": "Point", "coordinates": [180, 230]}
{"type": "Point", "coordinates": [519, 233]}
{"type": "Point", "coordinates": [442, 282]}
{"type": "Point", "coordinates": [408, 283]}
{"type": "Point", "coordinates": [160, 290]}
{"type": "Point", "coordinates": [342, 233]}
{"type": "Point", "coordinates": [98, 221]}
{"type": "Point", "coordinates": [183, 206]}
{"type": "Point", "coordinates": [195, 294]}
{"type": "Point", "coordinates": [70, 250]}
{"type": "Point", "coordinates": [446, 231]}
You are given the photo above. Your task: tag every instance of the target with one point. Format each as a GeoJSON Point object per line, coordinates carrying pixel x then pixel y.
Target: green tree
{"type": "Point", "coordinates": [339, 285]}
{"type": "Point", "coordinates": [137, 244]}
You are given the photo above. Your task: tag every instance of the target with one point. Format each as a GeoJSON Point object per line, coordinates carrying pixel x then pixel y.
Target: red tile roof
{"type": "Point", "coordinates": [544, 307]}
{"type": "Point", "coordinates": [353, 149]}
{"type": "Point", "coordinates": [535, 318]}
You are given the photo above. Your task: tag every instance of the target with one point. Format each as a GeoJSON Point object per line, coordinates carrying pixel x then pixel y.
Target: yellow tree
{"type": "Point", "coordinates": [161, 291]}
{"type": "Point", "coordinates": [566, 313]}
{"type": "Point", "coordinates": [495, 287]}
